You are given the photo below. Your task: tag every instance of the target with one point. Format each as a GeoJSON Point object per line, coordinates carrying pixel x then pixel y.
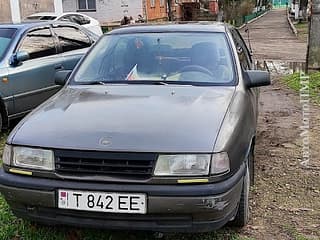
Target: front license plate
{"type": "Point", "coordinates": [102, 201]}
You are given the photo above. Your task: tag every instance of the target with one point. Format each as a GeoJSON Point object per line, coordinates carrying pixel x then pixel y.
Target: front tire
{"type": "Point", "coordinates": [242, 217]}
{"type": "Point", "coordinates": [251, 165]}
{"type": "Point", "coordinates": [0, 122]}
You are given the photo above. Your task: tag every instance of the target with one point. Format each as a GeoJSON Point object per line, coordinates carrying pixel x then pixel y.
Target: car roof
{"type": "Point", "coordinates": [173, 27]}
{"type": "Point", "coordinates": [53, 14]}
{"type": "Point", "coordinates": [30, 24]}
{"type": "Point", "coordinates": [40, 14]}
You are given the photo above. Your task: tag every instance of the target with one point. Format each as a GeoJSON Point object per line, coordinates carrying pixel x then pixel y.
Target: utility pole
{"type": "Point", "coordinates": [15, 11]}
{"type": "Point", "coordinates": [58, 7]}
{"type": "Point", "coordinates": [170, 10]}
{"type": "Point", "coordinates": [313, 55]}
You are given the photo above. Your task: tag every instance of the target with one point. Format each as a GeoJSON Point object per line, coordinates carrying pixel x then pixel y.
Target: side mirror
{"type": "Point", "coordinates": [18, 58]}
{"type": "Point", "coordinates": [61, 77]}
{"type": "Point", "coordinates": [257, 78]}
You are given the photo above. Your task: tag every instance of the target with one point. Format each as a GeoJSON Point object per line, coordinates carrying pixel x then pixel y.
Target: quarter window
{"type": "Point", "coordinates": [39, 43]}
{"type": "Point", "coordinates": [71, 38]}
{"type": "Point", "coordinates": [79, 19]}
{"type": "Point", "coordinates": [87, 4]}
{"type": "Point", "coordinates": [242, 50]}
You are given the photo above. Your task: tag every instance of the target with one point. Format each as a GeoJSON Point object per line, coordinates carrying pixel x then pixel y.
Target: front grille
{"type": "Point", "coordinates": [113, 164]}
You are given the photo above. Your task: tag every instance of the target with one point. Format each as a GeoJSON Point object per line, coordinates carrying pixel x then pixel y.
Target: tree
{"type": "Point", "coordinates": [313, 56]}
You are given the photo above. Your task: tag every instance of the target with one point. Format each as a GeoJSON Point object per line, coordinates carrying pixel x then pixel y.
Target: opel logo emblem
{"type": "Point", "coordinates": [105, 141]}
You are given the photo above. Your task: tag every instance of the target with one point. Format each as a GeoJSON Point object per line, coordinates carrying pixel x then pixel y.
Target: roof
{"type": "Point", "coordinates": [31, 24]}
{"type": "Point", "coordinates": [173, 27]}
{"type": "Point", "coordinates": [43, 14]}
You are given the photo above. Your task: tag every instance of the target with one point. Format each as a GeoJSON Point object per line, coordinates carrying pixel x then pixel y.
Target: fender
{"type": "Point", "coordinates": [4, 114]}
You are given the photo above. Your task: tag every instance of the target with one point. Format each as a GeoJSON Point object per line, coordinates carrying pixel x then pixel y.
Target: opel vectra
{"type": "Point", "coordinates": [154, 130]}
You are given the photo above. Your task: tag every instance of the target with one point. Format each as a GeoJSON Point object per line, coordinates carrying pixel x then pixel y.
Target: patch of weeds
{"type": "Point", "coordinates": [294, 234]}
{"type": "Point", "coordinates": [293, 81]}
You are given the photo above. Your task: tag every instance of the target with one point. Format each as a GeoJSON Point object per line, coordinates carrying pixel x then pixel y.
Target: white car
{"type": "Point", "coordinates": [88, 22]}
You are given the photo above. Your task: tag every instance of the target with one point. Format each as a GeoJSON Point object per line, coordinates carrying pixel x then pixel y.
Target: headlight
{"type": "Point", "coordinates": [183, 165]}
{"type": "Point", "coordinates": [220, 163]}
{"type": "Point", "coordinates": [33, 158]}
{"type": "Point", "coordinates": [6, 155]}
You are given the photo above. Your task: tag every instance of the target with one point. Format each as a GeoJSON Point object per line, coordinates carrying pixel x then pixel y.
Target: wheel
{"type": "Point", "coordinates": [196, 68]}
{"type": "Point", "coordinates": [0, 122]}
{"type": "Point", "coordinates": [242, 217]}
{"type": "Point", "coordinates": [251, 165]}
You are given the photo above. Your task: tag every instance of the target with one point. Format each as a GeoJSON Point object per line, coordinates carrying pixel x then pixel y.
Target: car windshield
{"type": "Point", "coordinates": [182, 58]}
{"type": "Point", "coordinates": [6, 35]}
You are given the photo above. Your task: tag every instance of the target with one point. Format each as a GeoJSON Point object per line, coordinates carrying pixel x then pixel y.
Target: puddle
{"type": "Point", "coordinates": [280, 67]}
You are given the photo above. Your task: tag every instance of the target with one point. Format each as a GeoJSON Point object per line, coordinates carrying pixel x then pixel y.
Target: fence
{"type": "Point", "coordinates": [244, 19]}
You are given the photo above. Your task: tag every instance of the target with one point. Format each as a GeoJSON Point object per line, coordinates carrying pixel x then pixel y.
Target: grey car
{"type": "Point", "coordinates": [154, 130]}
{"type": "Point", "coordinates": [30, 55]}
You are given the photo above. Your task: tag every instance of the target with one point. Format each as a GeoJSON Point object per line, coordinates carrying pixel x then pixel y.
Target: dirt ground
{"type": "Point", "coordinates": [272, 39]}
{"type": "Point", "coordinates": [285, 201]}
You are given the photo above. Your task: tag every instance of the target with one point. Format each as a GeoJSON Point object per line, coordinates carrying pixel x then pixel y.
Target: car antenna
{"type": "Point", "coordinates": [248, 35]}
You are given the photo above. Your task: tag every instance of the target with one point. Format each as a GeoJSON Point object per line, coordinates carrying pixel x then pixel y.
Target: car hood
{"type": "Point", "coordinates": [146, 118]}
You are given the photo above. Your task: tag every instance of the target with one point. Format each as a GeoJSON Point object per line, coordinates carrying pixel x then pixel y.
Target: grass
{"type": "Point", "coordinates": [293, 232]}
{"type": "Point", "coordinates": [303, 29]}
{"type": "Point", "coordinates": [293, 81]}
{"type": "Point", "coordinates": [13, 228]}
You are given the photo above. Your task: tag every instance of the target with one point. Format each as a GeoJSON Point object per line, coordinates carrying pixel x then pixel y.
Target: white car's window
{"type": "Point", "coordinates": [39, 43]}
{"type": "Point", "coordinates": [41, 18]}
{"type": "Point", "coordinates": [75, 18]}
{"type": "Point", "coordinates": [183, 57]}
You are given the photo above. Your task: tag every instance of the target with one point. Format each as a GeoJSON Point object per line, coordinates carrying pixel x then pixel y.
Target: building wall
{"type": "Point", "coordinates": [108, 11]}
{"type": "Point", "coordinates": [5, 12]}
{"type": "Point", "coordinates": [29, 7]}
{"type": "Point", "coordinates": [156, 11]}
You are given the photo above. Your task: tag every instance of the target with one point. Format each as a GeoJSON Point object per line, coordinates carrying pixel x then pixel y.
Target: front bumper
{"type": "Point", "coordinates": [192, 208]}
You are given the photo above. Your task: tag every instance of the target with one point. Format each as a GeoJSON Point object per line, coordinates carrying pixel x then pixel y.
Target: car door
{"type": "Point", "coordinates": [73, 43]}
{"type": "Point", "coordinates": [34, 78]}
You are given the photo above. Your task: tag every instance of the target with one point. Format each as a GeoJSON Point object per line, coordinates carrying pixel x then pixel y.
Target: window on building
{"type": "Point", "coordinates": [87, 5]}
{"type": "Point", "coordinates": [152, 3]}
{"type": "Point", "coordinates": [162, 3]}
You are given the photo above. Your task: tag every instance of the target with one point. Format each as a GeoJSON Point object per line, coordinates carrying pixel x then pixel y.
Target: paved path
{"type": "Point", "coordinates": [272, 38]}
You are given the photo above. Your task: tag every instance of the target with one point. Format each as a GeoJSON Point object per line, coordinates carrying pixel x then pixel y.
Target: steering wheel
{"type": "Point", "coordinates": [196, 68]}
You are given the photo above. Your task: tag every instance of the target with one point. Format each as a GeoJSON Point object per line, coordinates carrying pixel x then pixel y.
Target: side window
{"type": "Point", "coordinates": [65, 18]}
{"type": "Point", "coordinates": [242, 50]}
{"type": "Point", "coordinates": [39, 43]}
{"type": "Point", "coordinates": [81, 20]}
{"type": "Point", "coordinates": [71, 38]}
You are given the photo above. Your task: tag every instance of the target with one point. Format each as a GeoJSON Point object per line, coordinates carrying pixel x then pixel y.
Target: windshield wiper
{"type": "Point", "coordinates": [93, 83]}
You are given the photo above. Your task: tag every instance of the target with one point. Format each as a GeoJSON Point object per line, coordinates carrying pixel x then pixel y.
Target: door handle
{"type": "Point", "coordinates": [58, 67]}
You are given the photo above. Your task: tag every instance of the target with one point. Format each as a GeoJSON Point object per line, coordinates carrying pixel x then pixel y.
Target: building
{"type": "Point", "coordinates": [105, 11]}
{"type": "Point", "coordinates": [26, 7]}
{"type": "Point", "coordinates": [156, 10]}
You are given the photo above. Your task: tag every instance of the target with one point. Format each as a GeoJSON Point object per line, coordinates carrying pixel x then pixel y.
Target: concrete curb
{"type": "Point", "coordinates": [252, 20]}
{"type": "Point", "coordinates": [292, 27]}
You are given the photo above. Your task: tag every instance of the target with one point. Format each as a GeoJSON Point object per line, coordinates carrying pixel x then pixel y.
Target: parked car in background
{"type": "Point", "coordinates": [154, 130]}
{"type": "Point", "coordinates": [30, 55]}
{"type": "Point", "coordinates": [87, 22]}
